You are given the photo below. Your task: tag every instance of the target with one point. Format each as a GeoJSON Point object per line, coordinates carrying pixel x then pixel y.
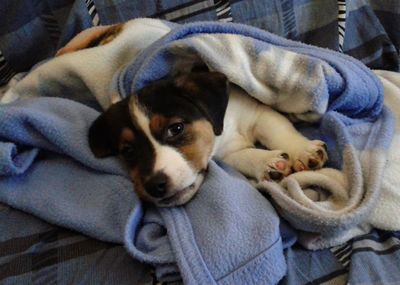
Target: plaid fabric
{"type": "Point", "coordinates": [31, 31]}
{"type": "Point", "coordinates": [373, 258]}
{"type": "Point", "coordinates": [33, 252]}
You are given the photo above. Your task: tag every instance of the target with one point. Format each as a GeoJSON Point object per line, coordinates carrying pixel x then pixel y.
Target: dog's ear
{"type": "Point", "coordinates": [209, 91]}
{"type": "Point", "coordinates": [105, 132]}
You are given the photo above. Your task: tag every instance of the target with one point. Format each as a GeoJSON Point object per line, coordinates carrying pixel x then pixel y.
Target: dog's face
{"type": "Point", "coordinates": [165, 134]}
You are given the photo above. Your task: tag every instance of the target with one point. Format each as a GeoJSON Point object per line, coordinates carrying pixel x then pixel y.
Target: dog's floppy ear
{"type": "Point", "coordinates": [105, 132]}
{"type": "Point", "coordinates": [210, 92]}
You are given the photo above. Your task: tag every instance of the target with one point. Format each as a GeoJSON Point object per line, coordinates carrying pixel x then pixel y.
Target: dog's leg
{"type": "Point", "coordinates": [275, 131]}
{"type": "Point", "coordinates": [260, 164]}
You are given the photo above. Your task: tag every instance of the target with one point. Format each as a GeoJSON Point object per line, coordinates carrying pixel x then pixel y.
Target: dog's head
{"type": "Point", "coordinates": [165, 134]}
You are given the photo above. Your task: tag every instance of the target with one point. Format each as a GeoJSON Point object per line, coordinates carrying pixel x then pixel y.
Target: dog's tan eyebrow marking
{"type": "Point", "coordinates": [127, 135]}
{"type": "Point", "coordinates": [157, 123]}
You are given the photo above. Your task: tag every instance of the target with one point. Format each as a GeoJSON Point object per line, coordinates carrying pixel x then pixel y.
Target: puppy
{"type": "Point", "coordinates": [167, 132]}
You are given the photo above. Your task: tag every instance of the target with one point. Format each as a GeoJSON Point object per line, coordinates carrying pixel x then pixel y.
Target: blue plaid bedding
{"type": "Point", "coordinates": [34, 252]}
{"type": "Point", "coordinates": [372, 258]}
{"type": "Point", "coordinates": [31, 31]}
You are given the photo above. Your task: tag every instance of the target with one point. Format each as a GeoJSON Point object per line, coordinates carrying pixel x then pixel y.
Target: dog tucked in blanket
{"type": "Point", "coordinates": [168, 131]}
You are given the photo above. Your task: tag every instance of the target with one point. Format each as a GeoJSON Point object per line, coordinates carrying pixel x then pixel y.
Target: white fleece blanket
{"type": "Point", "coordinates": [387, 212]}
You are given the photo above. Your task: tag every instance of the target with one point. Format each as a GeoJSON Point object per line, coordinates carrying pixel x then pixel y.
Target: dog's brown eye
{"type": "Point", "coordinates": [175, 130]}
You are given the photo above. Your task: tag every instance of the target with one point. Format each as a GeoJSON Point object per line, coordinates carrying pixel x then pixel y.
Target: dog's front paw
{"type": "Point", "coordinates": [275, 167]}
{"type": "Point", "coordinates": [311, 155]}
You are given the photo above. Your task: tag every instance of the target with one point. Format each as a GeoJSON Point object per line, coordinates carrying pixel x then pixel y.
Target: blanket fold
{"type": "Point", "coordinates": [340, 93]}
{"type": "Point", "coordinates": [228, 234]}
{"type": "Point", "coordinates": [226, 206]}
{"type": "Point", "coordinates": [47, 168]}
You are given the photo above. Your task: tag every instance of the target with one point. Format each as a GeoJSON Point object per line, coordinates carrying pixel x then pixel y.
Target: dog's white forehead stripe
{"type": "Point", "coordinates": [142, 120]}
{"type": "Point", "coordinates": [167, 159]}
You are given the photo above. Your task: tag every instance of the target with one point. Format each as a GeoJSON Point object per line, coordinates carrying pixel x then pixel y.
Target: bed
{"type": "Point", "coordinates": [34, 251]}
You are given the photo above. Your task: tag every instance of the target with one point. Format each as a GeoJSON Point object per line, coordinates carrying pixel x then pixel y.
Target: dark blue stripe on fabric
{"type": "Point", "coordinates": [362, 25]}
{"type": "Point", "coordinates": [188, 16]}
{"type": "Point", "coordinates": [220, 3]}
{"type": "Point", "coordinates": [326, 36]}
{"type": "Point", "coordinates": [378, 252]}
{"type": "Point", "coordinates": [328, 277]}
{"type": "Point", "coordinates": [369, 266]}
{"type": "Point", "coordinates": [28, 45]}
{"type": "Point", "coordinates": [289, 19]}
{"type": "Point", "coordinates": [310, 267]}
{"type": "Point", "coordinates": [20, 244]}
{"type": "Point", "coordinates": [6, 72]}
{"type": "Point", "coordinates": [21, 12]}
{"type": "Point", "coordinates": [37, 260]}
{"type": "Point", "coordinates": [340, 254]}
{"type": "Point", "coordinates": [51, 25]}
{"type": "Point", "coordinates": [78, 20]}
{"type": "Point", "coordinates": [175, 8]}
{"type": "Point", "coordinates": [391, 23]}
{"type": "Point", "coordinates": [378, 236]}
{"type": "Point", "coordinates": [386, 56]}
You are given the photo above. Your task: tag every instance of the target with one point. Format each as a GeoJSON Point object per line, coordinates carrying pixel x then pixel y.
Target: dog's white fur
{"type": "Point", "coordinates": [248, 121]}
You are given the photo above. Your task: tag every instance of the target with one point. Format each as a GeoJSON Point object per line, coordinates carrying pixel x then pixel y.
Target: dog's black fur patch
{"type": "Point", "coordinates": [190, 96]}
{"type": "Point", "coordinates": [105, 134]}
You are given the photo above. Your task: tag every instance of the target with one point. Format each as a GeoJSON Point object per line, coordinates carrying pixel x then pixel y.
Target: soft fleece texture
{"type": "Point", "coordinates": [228, 233]}
{"type": "Point", "coordinates": [47, 169]}
{"type": "Point", "coordinates": [337, 91]}
{"type": "Point", "coordinates": [385, 215]}
{"type": "Point", "coordinates": [344, 96]}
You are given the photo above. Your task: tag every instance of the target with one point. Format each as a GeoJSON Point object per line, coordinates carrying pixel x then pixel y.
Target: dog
{"type": "Point", "coordinates": [167, 132]}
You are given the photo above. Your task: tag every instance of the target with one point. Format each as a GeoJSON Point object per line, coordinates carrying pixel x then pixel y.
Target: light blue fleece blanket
{"type": "Point", "coordinates": [336, 92]}
{"type": "Point", "coordinates": [228, 233]}
{"type": "Point", "coordinates": [47, 168]}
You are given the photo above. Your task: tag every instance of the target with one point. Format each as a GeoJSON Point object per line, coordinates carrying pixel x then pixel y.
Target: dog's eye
{"type": "Point", "coordinates": [175, 130]}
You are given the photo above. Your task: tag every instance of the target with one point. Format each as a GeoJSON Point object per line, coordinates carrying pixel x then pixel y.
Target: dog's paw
{"type": "Point", "coordinates": [311, 155]}
{"type": "Point", "coordinates": [275, 167]}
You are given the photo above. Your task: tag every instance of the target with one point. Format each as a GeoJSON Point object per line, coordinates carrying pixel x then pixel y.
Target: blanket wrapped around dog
{"type": "Point", "coordinates": [226, 234]}
{"type": "Point", "coordinates": [310, 84]}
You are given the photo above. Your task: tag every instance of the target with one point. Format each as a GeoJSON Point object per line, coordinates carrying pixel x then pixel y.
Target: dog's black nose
{"type": "Point", "coordinates": [275, 175]}
{"type": "Point", "coordinates": [312, 163]}
{"type": "Point", "coordinates": [156, 186]}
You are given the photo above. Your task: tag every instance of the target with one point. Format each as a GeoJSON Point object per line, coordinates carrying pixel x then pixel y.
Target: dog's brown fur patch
{"type": "Point", "coordinates": [185, 83]}
{"type": "Point", "coordinates": [127, 136]}
{"type": "Point", "coordinates": [158, 123]}
{"type": "Point", "coordinates": [92, 37]}
{"type": "Point", "coordinates": [198, 151]}
{"type": "Point", "coordinates": [110, 34]}
{"type": "Point", "coordinates": [139, 188]}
